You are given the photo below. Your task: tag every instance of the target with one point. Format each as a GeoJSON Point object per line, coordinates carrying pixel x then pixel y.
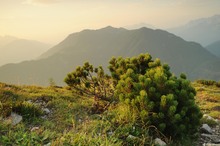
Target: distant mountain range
{"type": "Point", "coordinates": [204, 31]}
{"type": "Point", "coordinates": [214, 48]}
{"type": "Point", "coordinates": [98, 46]}
{"type": "Point", "coordinates": [14, 50]}
{"type": "Point", "coordinates": [4, 40]}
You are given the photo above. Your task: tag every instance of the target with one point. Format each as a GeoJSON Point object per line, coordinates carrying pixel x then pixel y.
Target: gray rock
{"type": "Point", "coordinates": [211, 138]}
{"type": "Point", "coordinates": [15, 118]}
{"type": "Point", "coordinates": [205, 128]}
{"type": "Point", "coordinates": [46, 110]}
{"type": "Point", "coordinates": [159, 142]}
{"type": "Point", "coordinates": [110, 133]}
{"type": "Point", "coordinates": [131, 137]}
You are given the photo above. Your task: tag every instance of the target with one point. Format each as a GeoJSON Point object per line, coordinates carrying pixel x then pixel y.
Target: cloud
{"type": "Point", "coordinates": [40, 2]}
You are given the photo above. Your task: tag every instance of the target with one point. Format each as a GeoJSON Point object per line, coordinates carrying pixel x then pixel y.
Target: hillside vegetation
{"type": "Point", "coordinates": [148, 102]}
{"type": "Point", "coordinates": [72, 119]}
{"type": "Point", "coordinates": [208, 97]}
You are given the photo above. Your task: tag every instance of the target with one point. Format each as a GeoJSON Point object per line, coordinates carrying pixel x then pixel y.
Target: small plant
{"type": "Point", "coordinates": [8, 100]}
{"type": "Point", "coordinates": [27, 110]}
{"type": "Point", "coordinates": [20, 136]}
{"type": "Point", "coordinates": [52, 83]}
{"type": "Point", "coordinates": [218, 84]}
{"type": "Point", "coordinates": [210, 122]}
{"type": "Point", "coordinates": [91, 81]}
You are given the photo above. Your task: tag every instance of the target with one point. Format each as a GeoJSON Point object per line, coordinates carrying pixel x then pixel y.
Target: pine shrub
{"type": "Point", "coordinates": [160, 98]}
{"type": "Point", "coordinates": [90, 81]}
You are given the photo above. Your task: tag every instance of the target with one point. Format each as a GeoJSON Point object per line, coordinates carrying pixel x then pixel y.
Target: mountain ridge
{"type": "Point", "coordinates": [98, 46]}
{"type": "Point", "coordinates": [214, 48]}
{"type": "Point", "coordinates": [14, 50]}
{"type": "Point", "coordinates": [204, 30]}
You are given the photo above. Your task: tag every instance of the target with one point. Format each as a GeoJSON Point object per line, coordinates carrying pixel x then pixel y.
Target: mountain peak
{"type": "Point", "coordinates": [111, 28]}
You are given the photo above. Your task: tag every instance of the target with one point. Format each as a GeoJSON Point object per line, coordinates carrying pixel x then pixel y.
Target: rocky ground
{"type": "Point", "coordinates": [61, 110]}
{"type": "Point", "coordinates": [209, 135]}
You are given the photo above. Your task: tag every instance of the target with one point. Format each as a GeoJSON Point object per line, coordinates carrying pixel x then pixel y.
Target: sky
{"type": "Point", "coordinates": [50, 21]}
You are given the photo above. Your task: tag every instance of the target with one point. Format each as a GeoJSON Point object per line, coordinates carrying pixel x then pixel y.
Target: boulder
{"type": "Point", "coordinates": [46, 111]}
{"type": "Point", "coordinates": [15, 118]}
{"type": "Point", "coordinates": [206, 129]}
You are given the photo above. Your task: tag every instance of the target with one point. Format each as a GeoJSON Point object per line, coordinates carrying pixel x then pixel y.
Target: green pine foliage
{"type": "Point", "coordinates": [90, 81]}
{"type": "Point", "coordinates": [160, 98]}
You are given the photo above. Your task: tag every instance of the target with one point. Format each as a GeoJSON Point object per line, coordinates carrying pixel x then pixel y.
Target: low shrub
{"type": "Point", "coordinates": [160, 98]}
{"type": "Point", "coordinates": [209, 82]}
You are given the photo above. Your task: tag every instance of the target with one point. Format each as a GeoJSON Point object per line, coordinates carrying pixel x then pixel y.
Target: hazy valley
{"type": "Point", "coordinates": [15, 50]}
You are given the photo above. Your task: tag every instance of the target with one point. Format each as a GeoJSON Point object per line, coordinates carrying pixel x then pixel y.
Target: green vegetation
{"type": "Point", "coordinates": [148, 102]}
{"type": "Point", "coordinates": [209, 82]}
{"type": "Point", "coordinates": [159, 98]}
{"type": "Point", "coordinates": [91, 81]}
{"type": "Point", "coordinates": [208, 97]}
{"type": "Point", "coordinates": [72, 122]}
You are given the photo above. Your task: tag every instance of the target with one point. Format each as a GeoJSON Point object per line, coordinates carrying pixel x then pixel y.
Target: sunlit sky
{"type": "Point", "coordinates": [51, 21]}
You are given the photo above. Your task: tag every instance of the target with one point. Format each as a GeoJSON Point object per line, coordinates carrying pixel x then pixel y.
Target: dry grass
{"type": "Point", "coordinates": [208, 98]}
